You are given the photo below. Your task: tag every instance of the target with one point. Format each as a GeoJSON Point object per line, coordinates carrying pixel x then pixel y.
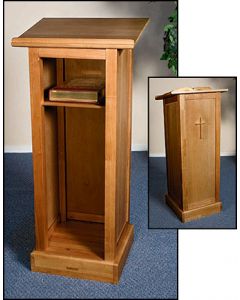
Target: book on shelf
{"type": "Point", "coordinates": [85, 90]}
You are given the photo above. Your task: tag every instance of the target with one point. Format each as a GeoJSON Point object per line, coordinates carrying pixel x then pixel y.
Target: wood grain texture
{"type": "Point", "coordinates": [83, 33]}
{"type": "Point", "coordinates": [173, 148]}
{"type": "Point", "coordinates": [195, 92]}
{"type": "Point", "coordinates": [49, 73]}
{"type": "Point", "coordinates": [82, 151]}
{"type": "Point", "coordinates": [192, 137]}
{"type": "Point", "coordinates": [123, 248]}
{"type": "Point", "coordinates": [84, 262]}
{"type": "Point", "coordinates": [183, 150]}
{"type": "Point", "coordinates": [73, 43]}
{"type": "Point", "coordinates": [38, 149]}
{"type": "Point", "coordinates": [84, 68]}
{"type": "Point", "coordinates": [78, 267]}
{"type": "Point", "coordinates": [62, 162]}
{"type": "Point", "coordinates": [193, 214]}
{"type": "Point", "coordinates": [85, 130]}
{"type": "Point", "coordinates": [72, 215]}
{"type": "Point", "coordinates": [129, 128]}
{"type": "Point", "coordinates": [123, 140]}
{"type": "Point", "coordinates": [78, 239]}
{"type": "Point", "coordinates": [72, 104]}
{"type": "Point", "coordinates": [72, 53]}
{"type": "Point", "coordinates": [110, 154]}
{"type": "Point", "coordinates": [199, 161]}
{"type": "Point", "coordinates": [61, 145]}
{"type": "Point", "coordinates": [51, 158]}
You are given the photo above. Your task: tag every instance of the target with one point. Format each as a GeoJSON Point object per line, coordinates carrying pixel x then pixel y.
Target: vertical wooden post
{"type": "Point", "coordinates": [38, 151]}
{"type": "Point", "coordinates": [129, 126]}
{"type": "Point", "coordinates": [183, 149]}
{"type": "Point", "coordinates": [110, 154]}
{"type": "Point", "coordinates": [166, 140]}
{"type": "Point", "coordinates": [61, 146]}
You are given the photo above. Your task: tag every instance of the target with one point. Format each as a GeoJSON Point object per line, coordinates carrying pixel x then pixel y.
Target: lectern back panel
{"type": "Point", "coordinates": [84, 68]}
{"type": "Point", "coordinates": [85, 161]}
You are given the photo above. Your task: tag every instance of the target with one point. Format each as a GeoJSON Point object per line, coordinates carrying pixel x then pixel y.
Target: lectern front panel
{"type": "Point", "coordinates": [199, 158]}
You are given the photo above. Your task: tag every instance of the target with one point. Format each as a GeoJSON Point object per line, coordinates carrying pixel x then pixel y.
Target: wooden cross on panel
{"type": "Point", "coordinates": [200, 123]}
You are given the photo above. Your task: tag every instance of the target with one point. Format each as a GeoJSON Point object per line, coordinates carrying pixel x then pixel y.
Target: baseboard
{"type": "Point", "coordinates": [135, 147]}
{"type": "Point", "coordinates": [157, 155]}
{"type": "Point", "coordinates": [28, 148]}
{"type": "Point", "coordinates": [233, 153]}
{"type": "Point", "coordinates": [18, 149]}
{"type": "Point", "coordinates": [164, 155]}
{"type": "Point", "coordinates": [139, 147]}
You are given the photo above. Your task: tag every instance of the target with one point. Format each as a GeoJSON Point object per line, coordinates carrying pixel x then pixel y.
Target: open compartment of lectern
{"type": "Point", "coordinates": [75, 164]}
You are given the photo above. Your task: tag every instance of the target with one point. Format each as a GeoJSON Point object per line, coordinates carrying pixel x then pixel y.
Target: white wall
{"type": "Point", "coordinates": [19, 16]}
{"type": "Point", "coordinates": [158, 86]}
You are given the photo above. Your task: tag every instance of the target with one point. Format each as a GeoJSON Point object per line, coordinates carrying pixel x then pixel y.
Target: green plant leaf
{"type": "Point", "coordinates": [170, 42]}
{"type": "Point", "coordinates": [168, 26]}
{"type": "Point", "coordinates": [171, 38]}
{"type": "Point", "coordinates": [164, 56]}
{"type": "Point", "coordinates": [173, 16]}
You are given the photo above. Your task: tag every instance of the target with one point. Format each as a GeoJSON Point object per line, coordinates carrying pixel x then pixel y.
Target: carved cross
{"type": "Point", "coordinates": [200, 123]}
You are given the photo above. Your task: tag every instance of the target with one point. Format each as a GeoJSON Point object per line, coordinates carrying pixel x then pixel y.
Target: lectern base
{"type": "Point", "coordinates": [193, 214]}
{"type": "Point", "coordinates": [83, 267]}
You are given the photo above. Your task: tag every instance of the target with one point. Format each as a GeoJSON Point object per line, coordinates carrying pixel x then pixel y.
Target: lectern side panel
{"type": "Point", "coordinates": [173, 148]}
{"type": "Point", "coordinates": [85, 163]}
{"type": "Point", "coordinates": [199, 173]}
{"type": "Point", "coordinates": [123, 140]}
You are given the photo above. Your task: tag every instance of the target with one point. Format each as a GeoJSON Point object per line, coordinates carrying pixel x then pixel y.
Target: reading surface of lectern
{"type": "Point", "coordinates": [192, 138]}
{"type": "Point", "coordinates": [81, 151]}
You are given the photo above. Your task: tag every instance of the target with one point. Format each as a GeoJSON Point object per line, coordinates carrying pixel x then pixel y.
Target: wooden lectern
{"type": "Point", "coordinates": [81, 151]}
{"type": "Point", "coordinates": [192, 138]}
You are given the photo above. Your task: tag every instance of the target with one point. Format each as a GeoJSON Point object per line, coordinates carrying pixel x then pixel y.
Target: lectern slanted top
{"type": "Point", "coordinates": [192, 137]}
{"type": "Point", "coordinates": [81, 151]}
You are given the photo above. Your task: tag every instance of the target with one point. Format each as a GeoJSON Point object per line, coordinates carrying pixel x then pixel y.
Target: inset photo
{"type": "Point", "coordinates": [192, 152]}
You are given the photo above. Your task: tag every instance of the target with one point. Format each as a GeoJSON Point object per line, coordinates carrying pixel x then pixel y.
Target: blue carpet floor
{"type": "Point", "coordinates": [151, 268]}
{"type": "Point", "coordinates": [161, 216]}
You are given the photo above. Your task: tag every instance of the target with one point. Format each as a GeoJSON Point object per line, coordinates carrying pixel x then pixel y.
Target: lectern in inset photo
{"type": "Point", "coordinates": [192, 124]}
{"type": "Point", "coordinates": [81, 89]}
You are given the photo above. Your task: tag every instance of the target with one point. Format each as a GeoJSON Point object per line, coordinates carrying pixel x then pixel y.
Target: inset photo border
{"type": "Point", "coordinates": [192, 141]}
